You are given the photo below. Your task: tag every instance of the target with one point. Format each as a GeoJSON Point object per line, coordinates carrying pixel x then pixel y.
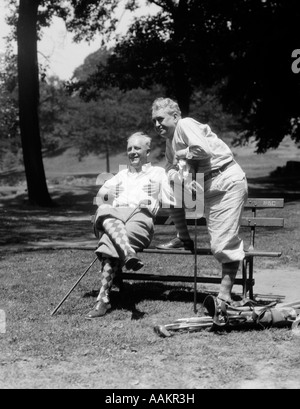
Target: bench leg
{"type": "Point", "coordinates": [247, 271]}
{"type": "Point", "coordinates": [251, 278]}
{"type": "Point", "coordinates": [244, 272]}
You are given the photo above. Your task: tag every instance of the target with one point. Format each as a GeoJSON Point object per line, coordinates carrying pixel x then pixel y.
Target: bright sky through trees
{"type": "Point", "coordinates": [57, 48]}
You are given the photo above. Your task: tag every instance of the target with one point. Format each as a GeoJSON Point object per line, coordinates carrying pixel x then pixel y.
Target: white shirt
{"type": "Point", "coordinates": [129, 188]}
{"type": "Point", "coordinates": [199, 143]}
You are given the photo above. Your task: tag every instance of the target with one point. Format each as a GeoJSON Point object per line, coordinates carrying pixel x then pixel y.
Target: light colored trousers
{"type": "Point", "coordinates": [224, 199]}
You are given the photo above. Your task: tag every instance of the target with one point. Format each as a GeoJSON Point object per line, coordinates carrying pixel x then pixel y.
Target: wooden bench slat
{"type": "Point", "coordinates": [253, 253]}
{"type": "Point", "coordinates": [262, 222]}
{"type": "Point", "coordinates": [177, 278]}
{"type": "Point", "coordinates": [201, 251]}
{"type": "Point", "coordinates": [206, 251]}
{"type": "Point", "coordinates": [257, 203]}
{"type": "Point", "coordinates": [246, 221]}
{"type": "Point", "coordinates": [262, 203]}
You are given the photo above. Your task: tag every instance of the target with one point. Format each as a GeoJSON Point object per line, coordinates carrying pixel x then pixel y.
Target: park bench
{"type": "Point", "coordinates": [252, 221]}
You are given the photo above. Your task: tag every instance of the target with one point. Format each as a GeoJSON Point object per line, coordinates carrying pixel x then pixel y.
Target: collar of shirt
{"type": "Point", "coordinates": [145, 168]}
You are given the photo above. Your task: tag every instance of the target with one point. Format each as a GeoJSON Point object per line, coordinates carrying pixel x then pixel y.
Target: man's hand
{"type": "Point", "coordinates": [181, 154]}
{"type": "Point", "coordinates": [151, 188]}
{"type": "Point", "coordinates": [115, 191]}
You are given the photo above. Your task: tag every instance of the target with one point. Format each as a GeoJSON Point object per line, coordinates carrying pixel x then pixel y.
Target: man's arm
{"type": "Point", "coordinates": [110, 190]}
{"type": "Point", "coordinates": [193, 135]}
{"type": "Point", "coordinates": [171, 165]}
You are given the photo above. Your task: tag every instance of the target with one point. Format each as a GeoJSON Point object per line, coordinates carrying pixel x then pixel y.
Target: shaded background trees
{"type": "Point", "coordinates": [28, 17]}
{"type": "Point", "coordinates": [10, 142]}
{"type": "Point", "coordinates": [226, 64]}
{"type": "Point", "coordinates": [243, 49]}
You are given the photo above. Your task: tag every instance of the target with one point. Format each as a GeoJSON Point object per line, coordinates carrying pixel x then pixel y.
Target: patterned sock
{"type": "Point", "coordinates": [117, 233]}
{"type": "Point", "coordinates": [107, 276]}
{"type": "Point", "coordinates": [178, 217]}
{"type": "Point", "coordinates": [229, 272]}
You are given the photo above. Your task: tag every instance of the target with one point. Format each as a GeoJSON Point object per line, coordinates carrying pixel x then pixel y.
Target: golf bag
{"type": "Point", "coordinates": [249, 314]}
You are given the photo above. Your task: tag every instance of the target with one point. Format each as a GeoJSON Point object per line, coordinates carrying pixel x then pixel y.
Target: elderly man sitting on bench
{"type": "Point", "coordinates": [124, 221]}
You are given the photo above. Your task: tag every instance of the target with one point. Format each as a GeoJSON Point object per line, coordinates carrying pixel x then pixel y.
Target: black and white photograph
{"type": "Point", "coordinates": [149, 197]}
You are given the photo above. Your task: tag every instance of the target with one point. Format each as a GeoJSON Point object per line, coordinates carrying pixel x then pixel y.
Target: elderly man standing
{"type": "Point", "coordinates": [124, 221]}
{"type": "Point", "coordinates": [225, 186]}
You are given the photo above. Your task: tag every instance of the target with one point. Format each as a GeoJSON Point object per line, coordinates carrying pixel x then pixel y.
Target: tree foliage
{"type": "Point", "coordinates": [240, 49]}
{"type": "Point", "coordinates": [27, 18]}
{"type": "Point", "coordinates": [243, 48]}
{"type": "Point", "coordinates": [55, 119]}
{"type": "Point", "coordinates": [103, 126]}
{"type": "Point", "coordinates": [10, 143]}
{"type": "Point", "coordinates": [260, 84]}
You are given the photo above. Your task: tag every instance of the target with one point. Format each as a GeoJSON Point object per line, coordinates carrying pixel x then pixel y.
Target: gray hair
{"type": "Point", "coordinates": [145, 137]}
{"type": "Point", "coordinates": [167, 104]}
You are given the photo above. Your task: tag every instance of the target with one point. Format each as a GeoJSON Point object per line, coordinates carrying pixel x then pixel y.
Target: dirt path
{"type": "Point", "coordinates": [278, 283]}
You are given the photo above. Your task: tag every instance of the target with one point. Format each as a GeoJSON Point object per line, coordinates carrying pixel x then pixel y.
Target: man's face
{"type": "Point", "coordinates": [137, 152]}
{"type": "Point", "coordinates": [164, 123]}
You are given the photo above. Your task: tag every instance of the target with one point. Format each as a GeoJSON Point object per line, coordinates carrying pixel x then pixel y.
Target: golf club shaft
{"type": "Point", "coordinates": [195, 268]}
{"type": "Point", "coordinates": [75, 285]}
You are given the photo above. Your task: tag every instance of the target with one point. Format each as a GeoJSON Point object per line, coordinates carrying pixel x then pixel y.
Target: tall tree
{"type": "Point", "coordinates": [28, 17]}
{"type": "Point", "coordinates": [28, 75]}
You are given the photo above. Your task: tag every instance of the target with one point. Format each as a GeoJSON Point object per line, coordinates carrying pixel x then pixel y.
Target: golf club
{"type": "Point", "coordinates": [74, 286]}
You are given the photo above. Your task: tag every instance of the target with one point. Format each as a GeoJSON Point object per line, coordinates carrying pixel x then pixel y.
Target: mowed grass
{"type": "Point", "coordinates": [121, 349]}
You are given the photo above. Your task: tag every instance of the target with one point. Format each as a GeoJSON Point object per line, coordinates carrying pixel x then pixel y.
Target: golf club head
{"type": "Point", "coordinates": [296, 327]}
{"type": "Point", "coordinates": [162, 331]}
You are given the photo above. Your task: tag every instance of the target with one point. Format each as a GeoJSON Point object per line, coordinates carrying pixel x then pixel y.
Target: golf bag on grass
{"type": "Point", "coordinates": [246, 314]}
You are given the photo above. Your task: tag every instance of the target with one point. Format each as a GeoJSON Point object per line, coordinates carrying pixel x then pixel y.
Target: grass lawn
{"type": "Point", "coordinates": [121, 350]}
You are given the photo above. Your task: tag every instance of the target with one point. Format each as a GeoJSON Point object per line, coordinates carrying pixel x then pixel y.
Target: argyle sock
{"type": "Point", "coordinates": [229, 272]}
{"type": "Point", "coordinates": [109, 269]}
{"type": "Point", "coordinates": [178, 217]}
{"type": "Point", "coordinates": [117, 233]}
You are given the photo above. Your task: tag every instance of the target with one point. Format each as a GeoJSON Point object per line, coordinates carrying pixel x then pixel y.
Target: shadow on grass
{"type": "Point", "coordinates": [70, 220]}
{"type": "Point", "coordinates": [287, 188]}
{"type": "Point", "coordinates": [131, 294]}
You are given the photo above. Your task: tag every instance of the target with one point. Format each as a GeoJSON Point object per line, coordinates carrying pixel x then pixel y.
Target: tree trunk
{"type": "Point", "coordinates": [182, 82]}
{"type": "Point", "coordinates": [28, 76]}
{"type": "Point", "coordinates": [182, 87]}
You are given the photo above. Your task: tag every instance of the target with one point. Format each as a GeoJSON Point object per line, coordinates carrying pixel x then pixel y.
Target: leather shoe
{"type": "Point", "coordinates": [177, 244]}
{"type": "Point", "coordinates": [100, 309]}
{"type": "Point", "coordinates": [132, 262]}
